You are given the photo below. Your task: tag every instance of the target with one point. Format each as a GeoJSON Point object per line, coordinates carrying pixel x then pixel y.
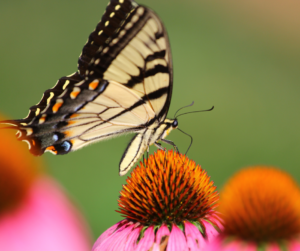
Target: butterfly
{"type": "Point", "coordinates": [123, 85]}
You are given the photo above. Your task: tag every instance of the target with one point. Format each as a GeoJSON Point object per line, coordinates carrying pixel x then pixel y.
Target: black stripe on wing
{"type": "Point", "coordinates": [116, 13]}
{"type": "Point", "coordinates": [134, 80]}
{"type": "Point", "coordinates": [154, 95]}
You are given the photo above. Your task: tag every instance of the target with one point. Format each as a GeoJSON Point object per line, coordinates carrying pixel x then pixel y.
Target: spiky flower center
{"type": "Point", "coordinates": [261, 204]}
{"type": "Point", "coordinates": [168, 188]}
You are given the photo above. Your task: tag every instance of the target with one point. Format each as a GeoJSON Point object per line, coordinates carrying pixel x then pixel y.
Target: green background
{"type": "Point", "coordinates": [243, 57]}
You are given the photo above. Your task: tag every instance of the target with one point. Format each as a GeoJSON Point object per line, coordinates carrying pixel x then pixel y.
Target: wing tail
{"type": "Point", "coordinates": [24, 133]}
{"type": "Point", "coordinates": [13, 124]}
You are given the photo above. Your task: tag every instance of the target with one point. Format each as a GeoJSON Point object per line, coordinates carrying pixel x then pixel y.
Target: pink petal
{"type": "Point", "coordinates": [294, 246]}
{"type": "Point", "coordinates": [132, 240]}
{"type": "Point", "coordinates": [232, 246]}
{"type": "Point", "coordinates": [219, 244]}
{"type": "Point", "coordinates": [249, 246]}
{"type": "Point", "coordinates": [105, 235]}
{"type": "Point", "coordinates": [214, 217]}
{"type": "Point", "coordinates": [177, 240]}
{"type": "Point", "coordinates": [195, 240]}
{"type": "Point", "coordinates": [45, 221]}
{"type": "Point", "coordinates": [211, 232]}
{"type": "Point", "coordinates": [155, 247]}
{"type": "Point", "coordinates": [214, 245]}
{"type": "Point", "coordinates": [273, 247]}
{"type": "Point", "coordinates": [147, 241]}
{"type": "Point", "coordinates": [120, 245]}
{"type": "Point", "coordinates": [116, 241]}
{"type": "Point", "coordinates": [162, 232]}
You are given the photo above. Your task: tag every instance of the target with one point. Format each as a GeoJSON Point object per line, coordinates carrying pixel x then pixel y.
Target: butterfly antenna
{"type": "Point", "coordinates": [183, 107]}
{"type": "Point", "coordinates": [196, 111]}
{"type": "Point", "coordinates": [191, 140]}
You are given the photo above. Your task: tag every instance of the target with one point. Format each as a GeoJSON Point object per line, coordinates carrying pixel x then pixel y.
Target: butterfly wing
{"type": "Point", "coordinates": [113, 18]}
{"type": "Point", "coordinates": [95, 41]}
{"type": "Point", "coordinates": [137, 56]}
{"type": "Point", "coordinates": [123, 84]}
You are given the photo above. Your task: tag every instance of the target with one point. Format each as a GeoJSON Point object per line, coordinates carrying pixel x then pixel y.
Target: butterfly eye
{"type": "Point", "coordinates": [175, 123]}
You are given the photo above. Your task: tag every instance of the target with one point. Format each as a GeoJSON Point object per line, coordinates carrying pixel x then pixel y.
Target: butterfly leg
{"type": "Point", "coordinates": [158, 145]}
{"type": "Point", "coordinates": [144, 159]}
{"type": "Point", "coordinates": [146, 153]}
{"type": "Point", "coordinates": [170, 143]}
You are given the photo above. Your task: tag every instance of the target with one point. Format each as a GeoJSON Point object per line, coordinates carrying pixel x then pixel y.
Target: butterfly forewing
{"type": "Point", "coordinates": [139, 57]}
{"type": "Point", "coordinates": [111, 21]}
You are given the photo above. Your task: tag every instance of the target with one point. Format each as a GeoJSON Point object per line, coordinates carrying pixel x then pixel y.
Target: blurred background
{"type": "Point", "coordinates": [243, 57]}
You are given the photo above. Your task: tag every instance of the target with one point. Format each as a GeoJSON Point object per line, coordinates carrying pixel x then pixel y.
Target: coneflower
{"type": "Point", "coordinates": [168, 204]}
{"type": "Point", "coordinates": [35, 214]}
{"type": "Point", "coordinates": [260, 207]}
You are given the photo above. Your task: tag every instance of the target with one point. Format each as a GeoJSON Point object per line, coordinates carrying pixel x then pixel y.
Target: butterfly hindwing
{"type": "Point", "coordinates": [88, 112]}
{"type": "Point", "coordinates": [47, 128]}
{"type": "Point", "coordinates": [107, 116]}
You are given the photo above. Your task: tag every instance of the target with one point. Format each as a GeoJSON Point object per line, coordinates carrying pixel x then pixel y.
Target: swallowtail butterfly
{"type": "Point", "coordinates": [123, 85]}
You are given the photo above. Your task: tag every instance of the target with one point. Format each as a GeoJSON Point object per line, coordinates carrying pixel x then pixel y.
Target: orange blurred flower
{"type": "Point", "coordinates": [260, 207]}
{"type": "Point", "coordinates": [35, 214]}
{"type": "Point", "coordinates": [17, 171]}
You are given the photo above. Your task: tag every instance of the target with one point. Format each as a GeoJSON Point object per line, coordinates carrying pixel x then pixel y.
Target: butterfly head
{"type": "Point", "coordinates": [175, 123]}
{"type": "Point", "coordinates": [169, 125]}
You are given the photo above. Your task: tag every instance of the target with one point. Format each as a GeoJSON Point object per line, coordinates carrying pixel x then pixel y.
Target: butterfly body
{"type": "Point", "coordinates": [123, 85]}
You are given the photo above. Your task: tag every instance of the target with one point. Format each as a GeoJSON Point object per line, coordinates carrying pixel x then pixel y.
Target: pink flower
{"type": "Point", "coordinates": [169, 205]}
{"type": "Point", "coordinates": [261, 211]}
{"type": "Point", "coordinates": [45, 221]}
{"type": "Point", "coordinates": [35, 215]}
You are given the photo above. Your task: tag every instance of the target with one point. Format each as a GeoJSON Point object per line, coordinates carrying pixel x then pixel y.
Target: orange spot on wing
{"type": "Point", "coordinates": [42, 119]}
{"type": "Point", "coordinates": [33, 142]}
{"type": "Point", "coordinates": [52, 149]}
{"type": "Point", "coordinates": [56, 107]}
{"type": "Point", "coordinates": [74, 116]}
{"type": "Point", "coordinates": [74, 94]}
{"type": "Point", "coordinates": [71, 122]}
{"type": "Point", "coordinates": [68, 133]}
{"type": "Point", "coordinates": [93, 85]}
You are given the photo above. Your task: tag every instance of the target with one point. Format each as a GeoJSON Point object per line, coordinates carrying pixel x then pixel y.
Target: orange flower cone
{"type": "Point", "coordinates": [168, 203]}
{"type": "Point", "coordinates": [261, 211]}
